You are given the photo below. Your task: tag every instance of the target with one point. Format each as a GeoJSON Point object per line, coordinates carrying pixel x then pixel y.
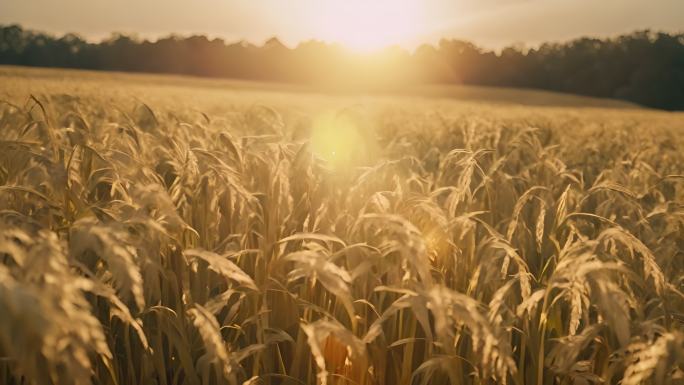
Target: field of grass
{"type": "Point", "coordinates": [169, 230]}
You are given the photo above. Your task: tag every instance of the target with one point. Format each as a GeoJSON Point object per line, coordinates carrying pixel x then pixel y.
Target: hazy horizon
{"type": "Point", "coordinates": [353, 23]}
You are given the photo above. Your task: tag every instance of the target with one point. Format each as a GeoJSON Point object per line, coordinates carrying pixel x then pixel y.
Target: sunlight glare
{"type": "Point", "coordinates": [366, 26]}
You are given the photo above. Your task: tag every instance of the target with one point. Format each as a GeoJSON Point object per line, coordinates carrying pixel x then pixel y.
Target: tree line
{"type": "Point", "coordinates": [643, 67]}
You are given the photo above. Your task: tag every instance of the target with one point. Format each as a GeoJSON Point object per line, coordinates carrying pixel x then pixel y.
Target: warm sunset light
{"type": "Point", "coordinates": [366, 26]}
{"type": "Point", "coordinates": [341, 192]}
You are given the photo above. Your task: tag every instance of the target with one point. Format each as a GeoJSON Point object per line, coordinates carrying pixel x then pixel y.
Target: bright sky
{"type": "Point", "coordinates": [361, 24]}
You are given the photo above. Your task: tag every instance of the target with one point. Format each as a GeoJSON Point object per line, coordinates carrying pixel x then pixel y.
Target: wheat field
{"type": "Point", "coordinates": [174, 231]}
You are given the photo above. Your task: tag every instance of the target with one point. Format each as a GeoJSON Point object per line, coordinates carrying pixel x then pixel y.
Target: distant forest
{"type": "Point", "coordinates": [643, 67]}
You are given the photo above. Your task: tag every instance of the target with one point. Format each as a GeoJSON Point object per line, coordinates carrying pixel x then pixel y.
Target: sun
{"type": "Point", "coordinates": [370, 25]}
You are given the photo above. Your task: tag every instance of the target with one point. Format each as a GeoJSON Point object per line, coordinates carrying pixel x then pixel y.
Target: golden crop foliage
{"type": "Point", "coordinates": [488, 245]}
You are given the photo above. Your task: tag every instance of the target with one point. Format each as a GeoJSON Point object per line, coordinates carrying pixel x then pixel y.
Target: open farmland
{"type": "Point", "coordinates": [170, 230]}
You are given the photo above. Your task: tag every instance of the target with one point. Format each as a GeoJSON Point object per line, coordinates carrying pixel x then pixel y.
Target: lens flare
{"type": "Point", "coordinates": [338, 141]}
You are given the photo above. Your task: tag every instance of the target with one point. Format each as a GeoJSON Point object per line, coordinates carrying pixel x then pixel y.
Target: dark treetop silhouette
{"type": "Point", "coordinates": [643, 67]}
